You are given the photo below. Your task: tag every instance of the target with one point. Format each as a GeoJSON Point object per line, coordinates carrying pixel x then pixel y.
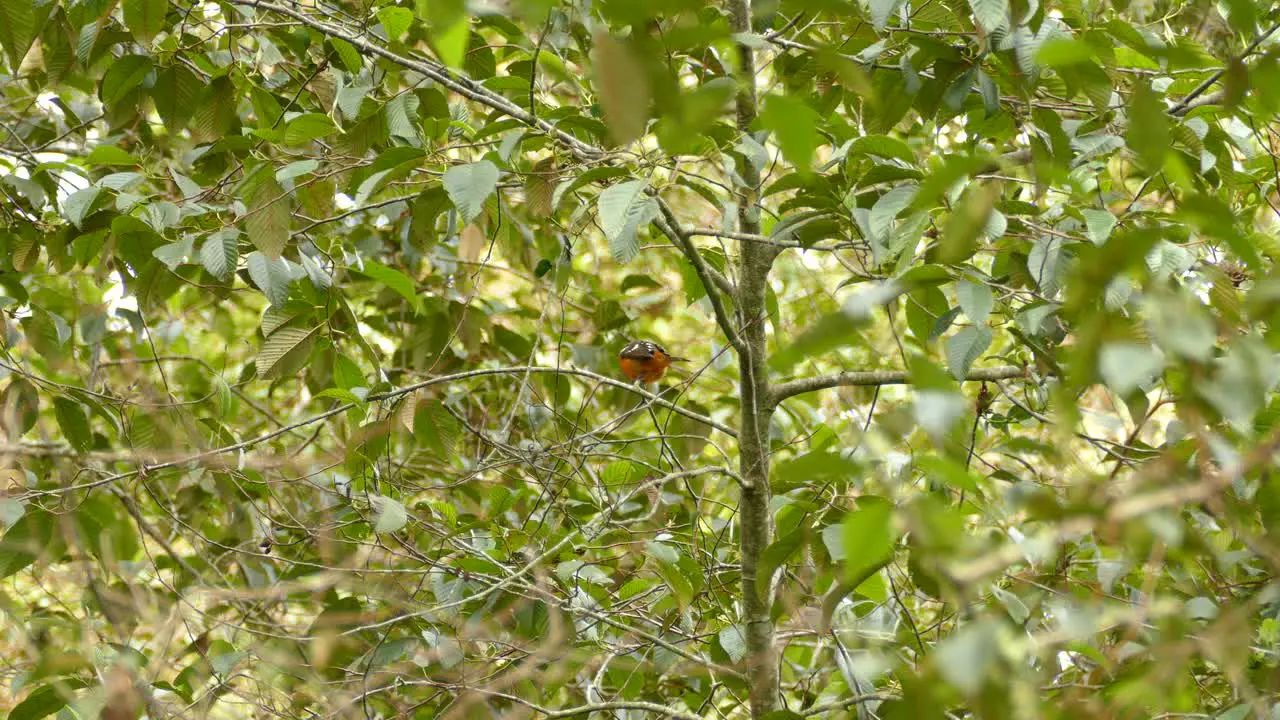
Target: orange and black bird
{"type": "Point", "coordinates": [645, 361]}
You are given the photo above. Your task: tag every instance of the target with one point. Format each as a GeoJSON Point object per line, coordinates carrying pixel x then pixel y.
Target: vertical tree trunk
{"type": "Point", "coordinates": [755, 525]}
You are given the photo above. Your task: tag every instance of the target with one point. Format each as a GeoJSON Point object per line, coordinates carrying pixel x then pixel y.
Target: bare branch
{"type": "Point", "coordinates": [791, 388]}
{"type": "Point", "coordinates": [467, 88]}
{"type": "Point", "coordinates": [671, 228]}
{"type": "Point", "coordinates": [390, 395]}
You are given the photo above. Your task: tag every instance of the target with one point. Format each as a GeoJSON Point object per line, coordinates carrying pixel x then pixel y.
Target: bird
{"type": "Point", "coordinates": [645, 361]}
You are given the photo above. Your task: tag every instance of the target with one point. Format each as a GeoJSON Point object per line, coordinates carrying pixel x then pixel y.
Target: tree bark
{"type": "Point", "coordinates": [755, 526]}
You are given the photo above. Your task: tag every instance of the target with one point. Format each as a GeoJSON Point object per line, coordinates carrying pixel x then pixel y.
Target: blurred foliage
{"type": "Point", "coordinates": [308, 396]}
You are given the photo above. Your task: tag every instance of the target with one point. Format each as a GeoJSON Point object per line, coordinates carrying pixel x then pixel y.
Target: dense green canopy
{"type": "Point", "coordinates": [310, 405]}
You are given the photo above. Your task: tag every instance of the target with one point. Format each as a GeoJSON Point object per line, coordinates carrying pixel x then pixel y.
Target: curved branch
{"type": "Point", "coordinates": [791, 388]}
{"type": "Point", "coordinates": [671, 228]}
{"type": "Point", "coordinates": [392, 394]}
{"type": "Point", "coordinates": [463, 86]}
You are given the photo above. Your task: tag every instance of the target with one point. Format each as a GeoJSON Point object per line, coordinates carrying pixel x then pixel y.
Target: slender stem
{"type": "Point", "coordinates": [791, 388]}
{"type": "Point", "coordinates": [755, 529]}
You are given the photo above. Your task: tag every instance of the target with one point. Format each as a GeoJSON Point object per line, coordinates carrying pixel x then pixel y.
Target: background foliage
{"type": "Point", "coordinates": [309, 400]}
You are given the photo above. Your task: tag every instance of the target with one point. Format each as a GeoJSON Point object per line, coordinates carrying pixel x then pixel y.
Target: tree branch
{"type": "Point", "coordinates": [671, 228]}
{"type": "Point", "coordinates": [390, 395]}
{"type": "Point", "coordinates": [791, 388]}
{"type": "Point", "coordinates": [463, 86]}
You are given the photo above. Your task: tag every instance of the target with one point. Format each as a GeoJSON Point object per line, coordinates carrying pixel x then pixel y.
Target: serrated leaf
{"type": "Point", "coordinates": [795, 128]}
{"type": "Point", "coordinates": [175, 253]}
{"type": "Point", "coordinates": [20, 23]}
{"type": "Point", "coordinates": [145, 18]}
{"type": "Point", "coordinates": [297, 169]}
{"type": "Point", "coordinates": [887, 207]}
{"type": "Point", "coordinates": [1127, 365]}
{"type": "Point", "coordinates": [389, 514]}
{"type": "Point", "coordinates": [451, 41]}
{"type": "Point", "coordinates": [221, 253]}
{"type": "Point", "coordinates": [19, 407]}
{"type": "Point", "coordinates": [1099, 223]}
{"type": "Point", "coordinates": [282, 349]}
{"type": "Point", "coordinates": [868, 535]}
{"type": "Point", "coordinates": [1044, 264]}
{"type": "Point", "coordinates": [623, 87]}
{"type": "Point", "coordinates": [402, 284]}
{"type": "Point", "coordinates": [215, 111]}
{"type": "Point", "coordinates": [271, 276]}
{"type": "Point", "coordinates": [76, 206]}
{"type": "Point", "coordinates": [882, 146]}
{"type": "Point", "coordinates": [305, 128]}
{"type": "Point", "coordinates": [734, 643]}
{"type": "Point", "coordinates": [402, 116]}
{"type": "Point", "coordinates": [976, 299]}
{"type": "Point", "coordinates": [348, 56]}
{"type": "Point", "coordinates": [395, 21]}
{"type": "Point", "coordinates": [624, 208]}
{"type": "Point", "coordinates": [176, 95]}
{"type": "Point", "coordinates": [268, 221]}
{"type": "Point", "coordinates": [881, 11]}
{"type": "Point", "coordinates": [104, 155]}
{"type": "Point", "coordinates": [469, 186]}
{"type": "Point", "coordinates": [965, 347]}
{"type": "Point", "coordinates": [435, 428]}
{"type": "Point", "coordinates": [73, 423]}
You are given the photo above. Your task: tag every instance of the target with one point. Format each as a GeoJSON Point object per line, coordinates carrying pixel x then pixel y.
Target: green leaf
{"type": "Point", "coordinates": [305, 128]}
{"type": "Point", "coordinates": [1125, 366]}
{"type": "Point", "coordinates": [20, 24]}
{"type": "Point", "coordinates": [48, 699]}
{"type": "Point", "coordinates": [1180, 325]}
{"type": "Point", "coordinates": [348, 56]}
{"type": "Point", "coordinates": [965, 347]}
{"type": "Point", "coordinates": [775, 556]}
{"type": "Point", "coordinates": [74, 424]}
{"type": "Point", "coordinates": [175, 253]}
{"type": "Point", "coordinates": [1148, 132]}
{"type": "Point", "coordinates": [990, 14]}
{"type": "Point", "coordinates": [469, 186]}
{"type": "Point", "coordinates": [435, 428]}
{"type": "Point", "coordinates": [623, 87]}
{"type": "Point", "coordinates": [390, 514]}
{"type": "Point", "coordinates": [109, 155]}
{"type": "Point", "coordinates": [882, 146]}
{"type": "Point", "coordinates": [1100, 223]}
{"type": "Point", "coordinates": [868, 534]}
{"type": "Point", "coordinates": [77, 205]}
{"type": "Point", "coordinates": [268, 220]}
{"type": "Point", "coordinates": [25, 540]}
{"type": "Point", "coordinates": [145, 18]}
{"type": "Point", "coordinates": [733, 642]}
{"type": "Point", "coordinates": [624, 208]}
{"type": "Point", "coordinates": [881, 11]}
{"type": "Point", "coordinates": [215, 111]}
{"type": "Point", "coordinates": [451, 41]}
{"type": "Point", "coordinates": [20, 403]}
{"type": "Point", "coordinates": [284, 350]}
{"type": "Point", "coordinates": [395, 21]}
{"type": "Point", "coordinates": [176, 95]}
{"type": "Point", "coordinates": [402, 284]}
{"type": "Point", "coordinates": [122, 76]}
{"type": "Point", "coordinates": [976, 300]}
{"type": "Point", "coordinates": [948, 471]}
{"type": "Point", "coordinates": [271, 276]}
{"type": "Point", "coordinates": [1044, 262]}
{"type": "Point", "coordinates": [795, 128]}
{"type": "Point", "coordinates": [221, 253]}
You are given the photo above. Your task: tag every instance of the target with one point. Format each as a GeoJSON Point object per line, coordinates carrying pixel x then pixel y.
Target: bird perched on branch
{"type": "Point", "coordinates": [645, 361]}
